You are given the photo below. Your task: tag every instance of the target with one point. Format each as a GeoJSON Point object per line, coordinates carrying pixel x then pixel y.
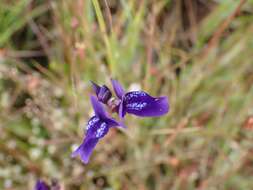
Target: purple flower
{"type": "Point", "coordinates": [139, 103]}
{"type": "Point", "coordinates": [41, 185]}
{"type": "Point", "coordinates": [97, 127]}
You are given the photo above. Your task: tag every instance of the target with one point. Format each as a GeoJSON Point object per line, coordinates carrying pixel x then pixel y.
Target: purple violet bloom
{"type": "Point", "coordinates": [139, 102]}
{"type": "Point", "coordinates": [41, 185]}
{"type": "Point", "coordinates": [97, 127]}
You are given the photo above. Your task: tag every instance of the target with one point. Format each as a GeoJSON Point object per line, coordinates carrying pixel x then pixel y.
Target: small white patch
{"type": "Point", "coordinates": [8, 183]}
{"type": "Point", "coordinates": [35, 153]}
{"type": "Point", "coordinates": [137, 106]}
{"type": "Point", "coordinates": [91, 123]}
{"type": "Point", "coordinates": [51, 149]}
{"type": "Point", "coordinates": [134, 87]}
{"type": "Point", "coordinates": [74, 147]}
{"type": "Point", "coordinates": [101, 130]}
{"type": "Point", "coordinates": [135, 94]}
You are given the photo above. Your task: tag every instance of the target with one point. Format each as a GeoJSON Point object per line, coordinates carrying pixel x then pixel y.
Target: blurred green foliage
{"type": "Point", "coordinates": [198, 53]}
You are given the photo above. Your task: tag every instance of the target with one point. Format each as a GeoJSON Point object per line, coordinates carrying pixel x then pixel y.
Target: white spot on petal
{"type": "Point", "coordinates": [136, 105]}
{"type": "Point", "coordinates": [91, 123]}
{"type": "Point", "coordinates": [101, 130]}
{"type": "Point", "coordinates": [135, 94]}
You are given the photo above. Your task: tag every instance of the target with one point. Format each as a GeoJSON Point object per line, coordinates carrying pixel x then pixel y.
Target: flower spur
{"type": "Point", "coordinates": [97, 127]}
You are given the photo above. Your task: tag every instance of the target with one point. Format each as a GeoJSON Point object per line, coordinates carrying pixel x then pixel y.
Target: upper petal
{"type": "Point", "coordinates": [118, 89]}
{"type": "Point", "coordinates": [142, 104]}
{"type": "Point", "coordinates": [98, 107]}
{"type": "Point", "coordinates": [96, 87]}
{"type": "Point", "coordinates": [104, 94]}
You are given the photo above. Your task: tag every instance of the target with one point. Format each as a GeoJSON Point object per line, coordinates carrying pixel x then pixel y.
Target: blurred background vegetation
{"type": "Point", "coordinates": [199, 53]}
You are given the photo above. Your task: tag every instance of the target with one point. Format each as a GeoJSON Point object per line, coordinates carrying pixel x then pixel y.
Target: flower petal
{"type": "Point", "coordinates": [85, 149]}
{"type": "Point", "coordinates": [122, 114]}
{"type": "Point", "coordinates": [118, 89]}
{"type": "Point", "coordinates": [104, 94]}
{"type": "Point", "coordinates": [112, 122]}
{"type": "Point", "coordinates": [96, 88]}
{"type": "Point", "coordinates": [122, 111]}
{"type": "Point", "coordinates": [96, 129]}
{"type": "Point", "coordinates": [41, 185]}
{"type": "Point", "coordinates": [98, 107]}
{"type": "Point", "coordinates": [141, 104]}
